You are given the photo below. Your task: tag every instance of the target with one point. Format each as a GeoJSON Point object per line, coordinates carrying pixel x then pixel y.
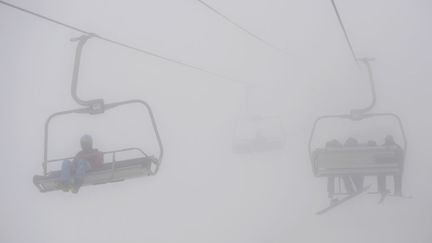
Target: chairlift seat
{"type": "Point", "coordinates": [359, 160]}
{"type": "Point", "coordinates": [108, 172]}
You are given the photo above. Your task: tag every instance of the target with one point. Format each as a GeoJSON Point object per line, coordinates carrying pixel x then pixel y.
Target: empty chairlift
{"type": "Point", "coordinates": [259, 134]}
{"type": "Point", "coordinates": [256, 133]}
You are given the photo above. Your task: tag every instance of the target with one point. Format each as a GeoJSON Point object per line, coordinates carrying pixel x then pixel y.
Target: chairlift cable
{"type": "Point", "coordinates": [344, 31]}
{"type": "Point", "coordinates": [242, 28]}
{"type": "Point", "coordinates": [118, 42]}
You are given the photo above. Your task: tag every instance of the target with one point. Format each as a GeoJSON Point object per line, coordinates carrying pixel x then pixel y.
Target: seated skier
{"type": "Point", "coordinates": [73, 172]}
{"type": "Point", "coordinates": [381, 179]}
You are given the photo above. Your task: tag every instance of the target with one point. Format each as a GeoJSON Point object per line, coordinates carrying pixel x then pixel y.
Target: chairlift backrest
{"type": "Point", "coordinates": [364, 160]}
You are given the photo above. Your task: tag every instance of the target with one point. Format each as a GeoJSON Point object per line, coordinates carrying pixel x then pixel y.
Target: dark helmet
{"type": "Point", "coordinates": [86, 142]}
{"type": "Point", "coordinates": [333, 144]}
{"type": "Point", "coordinates": [351, 142]}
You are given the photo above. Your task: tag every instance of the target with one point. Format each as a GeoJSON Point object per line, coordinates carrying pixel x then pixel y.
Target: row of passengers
{"type": "Point", "coordinates": [357, 180]}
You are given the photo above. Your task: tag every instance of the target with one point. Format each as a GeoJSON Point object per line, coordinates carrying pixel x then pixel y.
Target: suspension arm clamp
{"type": "Point", "coordinates": [96, 106]}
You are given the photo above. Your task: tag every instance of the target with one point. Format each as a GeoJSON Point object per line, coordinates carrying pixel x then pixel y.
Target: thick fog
{"type": "Point", "coordinates": [204, 190]}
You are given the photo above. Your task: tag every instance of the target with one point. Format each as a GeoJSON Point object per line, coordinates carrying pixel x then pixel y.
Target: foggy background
{"type": "Point", "coordinates": [204, 192]}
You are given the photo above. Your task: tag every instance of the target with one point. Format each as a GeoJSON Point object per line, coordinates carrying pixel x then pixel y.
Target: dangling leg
{"type": "Point", "coordinates": [382, 185]}
{"type": "Point", "coordinates": [66, 175]}
{"type": "Point", "coordinates": [348, 184]}
{"type": "Point", "coordinates": [331, 189]}
{"type": "Point", "coordinates": [82, 166]}
{"type": "Point", "coordinates": [398, 185]}
{"type": "Point", "coordinates": [331, 186]}
{"type": "Point", "coordinates": [358, 182]}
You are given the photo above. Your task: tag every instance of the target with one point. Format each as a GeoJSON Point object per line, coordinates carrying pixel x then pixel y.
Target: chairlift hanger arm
{"type": "Point", "coordinates": [362, 111]}
{"type": "Point", "coordinates": [82, 40]}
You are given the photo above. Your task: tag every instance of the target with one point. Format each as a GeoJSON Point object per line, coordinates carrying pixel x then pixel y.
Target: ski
{"type": "Point", "coordinates": [339, 202]}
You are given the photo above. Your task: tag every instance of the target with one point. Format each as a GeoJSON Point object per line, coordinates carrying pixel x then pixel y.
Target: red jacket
{"type": "Point", "coordinates": [94, 157]}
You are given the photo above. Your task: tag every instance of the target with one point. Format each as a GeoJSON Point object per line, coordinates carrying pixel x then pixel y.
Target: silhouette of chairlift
{"type": "Point", "coordinates": [361, 160]}
{"type": "Point", "coordinates": [263, 133]}
{"type": "Point", "coordinates": [115, 171]}
{"type": "Point", "coordinates": [267, 135]}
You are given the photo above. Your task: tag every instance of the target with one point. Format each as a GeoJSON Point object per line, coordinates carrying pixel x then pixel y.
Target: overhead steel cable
{"type": "Point", "coordinates": [242, 28]}
{"type": "Point", "coordinates": [344, 31]}
{"type": "Point", "coordinates": [118, 42]}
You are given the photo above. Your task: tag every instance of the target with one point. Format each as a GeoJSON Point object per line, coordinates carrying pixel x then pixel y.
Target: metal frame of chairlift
{"type": "Point", "coordinates": [357, 115]}
{"type": "Point", "coordinates": [94, 107]}
{"type": "Point", "coordinates": [250, 145]}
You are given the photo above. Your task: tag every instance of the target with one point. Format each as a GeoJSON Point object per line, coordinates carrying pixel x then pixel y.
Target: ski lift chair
{"type": "Point", "coordinates": [261, 140]}
{"type": "Point", "coordinates": [114, 171]}
{"type": "Point", "coordinates": [365, 160]}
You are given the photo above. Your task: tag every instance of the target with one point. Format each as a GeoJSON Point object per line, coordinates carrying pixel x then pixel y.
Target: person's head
{"type": "Point", "coordinates": [86, 142]}
{"type": "Point", "coordinates": [333, 144]}
{"type": "Point", "coordinates": [351, 142]}
{"type": "Point", "coordinates": [389, 140]}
